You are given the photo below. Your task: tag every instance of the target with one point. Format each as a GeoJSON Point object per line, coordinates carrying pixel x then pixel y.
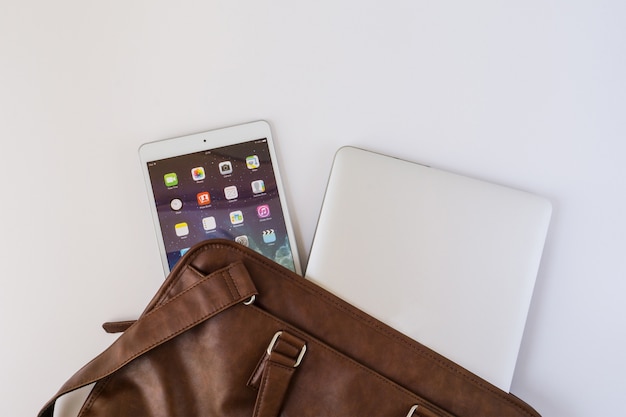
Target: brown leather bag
{"type": "Point", "coordinates": [231, 333]}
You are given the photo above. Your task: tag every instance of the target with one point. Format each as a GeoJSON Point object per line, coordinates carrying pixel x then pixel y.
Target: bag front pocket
{"type": "Point", "coordinates": [329, 383]}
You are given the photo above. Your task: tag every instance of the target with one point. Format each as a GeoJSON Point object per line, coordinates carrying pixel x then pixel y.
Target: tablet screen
{"type": "Point", "coordinates": [227, 192]}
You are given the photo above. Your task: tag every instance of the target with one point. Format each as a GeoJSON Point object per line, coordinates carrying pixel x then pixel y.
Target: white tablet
{"type": "Point", "coordinates": [223, 183]}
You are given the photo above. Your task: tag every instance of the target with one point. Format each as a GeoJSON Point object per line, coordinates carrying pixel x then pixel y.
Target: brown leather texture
{"type": "Point", "coordinates": [200, 349]}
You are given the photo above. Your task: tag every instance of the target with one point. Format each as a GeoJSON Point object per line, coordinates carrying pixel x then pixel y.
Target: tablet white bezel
{"type": "Point", "coordinates": [183, 145]}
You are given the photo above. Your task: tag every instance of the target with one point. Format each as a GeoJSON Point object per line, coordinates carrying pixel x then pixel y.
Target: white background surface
{"type": "Point", "coordinates": [529, 94]}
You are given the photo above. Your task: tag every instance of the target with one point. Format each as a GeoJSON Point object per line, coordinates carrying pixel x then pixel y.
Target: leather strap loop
{"type": "Point", "coordinates": [117, 326]}
{"type": "Point", "coordinates": [277, 368]}
{"type": "Point", "coordinates": [204, 299]}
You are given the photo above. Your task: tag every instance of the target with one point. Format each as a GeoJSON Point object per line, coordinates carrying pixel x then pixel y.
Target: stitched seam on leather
{"type": "Point", "coordinates": [157, 343]}
{"type": "Point", "coordinates": [261, 394]}
{"type": "Point", "coordinates": [266, 376]}
{"type": "Point", "coordinates": [168, 295]}
{"type": "Point", "coordinates": [478, 383]}
{"type": "Point", "coordinates": [163, 339]}
{"type": "Point", "coordinates": [93, 396]}
{"type": "Point", "coordinates": [206, 279]}
{"type": "Point", "coordinates": [257, 370]}
{"type": "Point", "coordinates": [172, 285]}
{"type": "Point", "coordinates": [209, 277]}
{"type": "Point", "coordinates": [234, 282]}
{"type": "Point", "coordinates": [229, 281]}
{"type": "Point", "coordinates": [350, 361]}
{"type": "Point", "coordinates": [425, 353]}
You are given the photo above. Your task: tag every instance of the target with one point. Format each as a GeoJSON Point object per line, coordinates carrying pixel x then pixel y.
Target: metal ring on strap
{"type": "Point", "coordinates": [273, 342]}
{"type": "Point", "coordinates": [412, 410]}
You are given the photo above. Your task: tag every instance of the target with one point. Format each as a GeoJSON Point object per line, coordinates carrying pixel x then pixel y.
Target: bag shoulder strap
{"type": "Point", "coordinates": [202, 300]}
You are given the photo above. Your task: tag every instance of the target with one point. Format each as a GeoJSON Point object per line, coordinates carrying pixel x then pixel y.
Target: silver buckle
{"type": "Point", "coordinates": [412, 410]}
{"type": "Point", "coordinates": [273, 342]}
{"type": "Point", "coordinates": [250, 300]}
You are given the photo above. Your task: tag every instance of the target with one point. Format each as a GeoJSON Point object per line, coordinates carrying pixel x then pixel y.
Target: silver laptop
{"type": "Point", "coordinates": [448, 260]}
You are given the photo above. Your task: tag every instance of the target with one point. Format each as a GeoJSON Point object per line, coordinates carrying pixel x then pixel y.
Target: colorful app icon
{"type": "Point", "coordinates": [208, 223]}
{"type": "Point", "coordinates": [170, 179]}
{"type": "Point", "coordinates": [176, 204]}
{"type": "Point", "coordinates": [231, 192]}
{"type": "Point", "coordinates": [236, 217]}
{"type": "Point", "coordinates": [243, 240]}
{"type": "Point", "coordinates": [182, 229]}
{"type": "Point", "coordinates": [252, 162]}
{"type": "Point", "coordinates": [198, 174]}
{"type": "Point", "coordinates": [269, 236]}
{"type": "Point", "coordinates": [263, 211]}
{"type": "Point", "coordinates": [203, 198]}
{"type": "Point", "coordinates": [258, 186]}
{"type": "Point", "coordinates": [226, 168]}
{"type": "Point", "coordinates": [184, 251]}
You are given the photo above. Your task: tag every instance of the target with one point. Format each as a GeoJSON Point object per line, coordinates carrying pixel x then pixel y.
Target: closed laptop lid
{"type": "Point", "coordinates": [448, 260]}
